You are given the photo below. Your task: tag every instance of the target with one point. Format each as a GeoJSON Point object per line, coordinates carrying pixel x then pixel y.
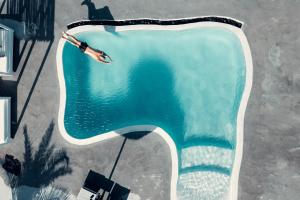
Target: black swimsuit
{"type": "Point", "coordinates": [83, 46]}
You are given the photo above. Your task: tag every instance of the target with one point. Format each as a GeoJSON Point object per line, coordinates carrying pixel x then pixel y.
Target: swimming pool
{"type": "Point", "coordinates": [192, 81]}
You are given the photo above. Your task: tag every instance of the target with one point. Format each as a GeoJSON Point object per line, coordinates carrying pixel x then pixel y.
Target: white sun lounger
{"type": "Point", "coordinates": [85, 194]}
{"type": "Point", "coordinates": [6, 50]}
{"type": "Point", "coordinates": [5, 119]}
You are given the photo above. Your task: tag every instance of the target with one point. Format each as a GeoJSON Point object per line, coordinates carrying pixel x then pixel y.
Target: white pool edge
{"type": "Point", "coordinates": [233, 190]}
{"type": "Point", "coordinates": [233, 193]}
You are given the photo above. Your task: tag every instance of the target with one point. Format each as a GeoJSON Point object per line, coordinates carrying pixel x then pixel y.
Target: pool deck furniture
{"type": "Point", "coordinates": [96, 183]}
{"type": "Point", "coordinates": [119, 192]}
{"type": "Point", "coordinates": [6, 50]}
{"type": "Point", "coordinates": [5, 120]}
{"type": "Point", "coordinates": [12, 165]}
{"type": "Point", "coordinates": [93, 184]}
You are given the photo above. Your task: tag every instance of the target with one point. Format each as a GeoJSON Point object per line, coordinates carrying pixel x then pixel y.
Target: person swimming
{"type": "Point", "coordinates": [98, 55]}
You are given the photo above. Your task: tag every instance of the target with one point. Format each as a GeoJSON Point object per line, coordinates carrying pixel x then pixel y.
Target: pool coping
{"type": "Point", "coordinates": [233, 188]}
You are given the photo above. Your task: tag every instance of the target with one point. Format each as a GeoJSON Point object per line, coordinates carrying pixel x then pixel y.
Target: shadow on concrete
{"type": "Point", "coordinates": [38, 16]}
{"type": "Point", "coordinates": [47, 164]}
{"type": "Point", "coordinates": [16, 126]}
{"type": "Point", "coordinates": [117, 159]}
{"type": "Point", "coordinates": [136, 135]}
{"type": "Point", "coordinates": [119, 190]}
{"type": "Point", "coordinates": [41, 168]}
{"type": "Point", "coordinates": [132, 136]}
{"type": "Point", "coordinates": [99, 14]}
{"type": "Point", "coordinates": [32, 21]}
{"type": "Point", "coordinates": [2, 6]}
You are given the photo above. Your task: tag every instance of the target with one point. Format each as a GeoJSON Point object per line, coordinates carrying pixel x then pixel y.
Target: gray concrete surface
{"type": "Point", "coordinates": [271, 160]}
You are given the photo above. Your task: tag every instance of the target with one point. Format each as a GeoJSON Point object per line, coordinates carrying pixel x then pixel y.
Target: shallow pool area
{"type": "Point", "coordinates": [189, 82]}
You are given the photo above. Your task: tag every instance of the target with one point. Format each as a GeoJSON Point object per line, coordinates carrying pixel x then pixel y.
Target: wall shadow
{"type": "Point", "coordinates": [41, 167]}
{"type": "Point", "coordinates": [38, 16]}
{"type": "Point", "coordinates": [103, 13]}
{"type": "Point", "coordinates": [39, 71]}
{"type": "Point", "coordinates": [36, 19]}
{"type": "Point", "coordinates": [2, 6]}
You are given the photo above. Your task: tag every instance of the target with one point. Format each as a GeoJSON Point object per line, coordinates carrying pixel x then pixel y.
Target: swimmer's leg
{"type": "Point", "coordinates": [72, 39]}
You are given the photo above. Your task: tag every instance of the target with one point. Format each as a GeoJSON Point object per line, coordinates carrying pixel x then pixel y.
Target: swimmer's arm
{"type": "Point", "coordinates": [96, 57]}
{"type": "Point", "coordinates": [102, 60]}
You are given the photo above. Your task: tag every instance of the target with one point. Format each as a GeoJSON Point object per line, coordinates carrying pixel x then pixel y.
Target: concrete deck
{"type": "Point", "coordinates": [271, 161]}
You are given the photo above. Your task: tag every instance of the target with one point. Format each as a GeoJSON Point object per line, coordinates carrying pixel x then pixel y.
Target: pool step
{"type": "Point", "coordinates": [206, 156]}
{"type": "Point", "coordinates": [202, 185]}
{"type": "Point", "coordinates": [204, 172]}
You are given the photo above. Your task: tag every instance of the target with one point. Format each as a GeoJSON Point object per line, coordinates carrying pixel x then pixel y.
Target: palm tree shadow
{"type": "Point", "coordinates": [41, 168]}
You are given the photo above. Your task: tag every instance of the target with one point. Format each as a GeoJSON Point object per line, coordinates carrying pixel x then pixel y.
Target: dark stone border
{"type": "Point", "coordinates": [156, 22]}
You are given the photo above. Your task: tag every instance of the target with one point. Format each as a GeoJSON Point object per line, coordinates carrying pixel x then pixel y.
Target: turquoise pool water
{"type": "Point", "coordinates": [187, 82]}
